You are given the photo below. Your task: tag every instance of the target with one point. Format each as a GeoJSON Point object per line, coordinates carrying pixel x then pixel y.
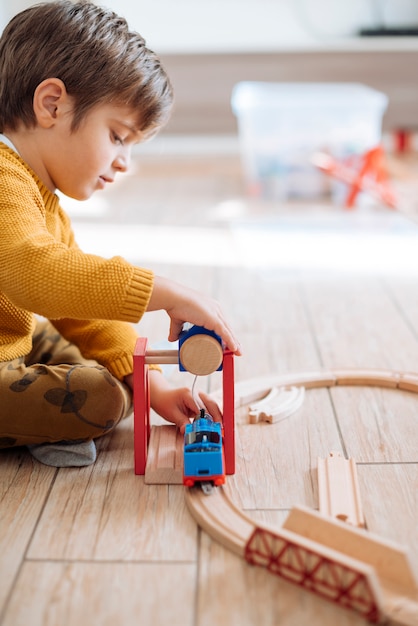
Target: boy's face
{"type": "Point", "coordinates": [86, 160]}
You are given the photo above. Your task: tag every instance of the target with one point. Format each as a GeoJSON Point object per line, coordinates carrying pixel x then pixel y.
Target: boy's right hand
{"type": "Point", "coordinates": [186, 305]}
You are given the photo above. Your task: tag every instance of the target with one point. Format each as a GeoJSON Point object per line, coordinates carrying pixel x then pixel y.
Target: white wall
{"type": "Point", "coordinates": [176, 26]}
{"type": "Point", "coordinates": [238, 25]}
{"type": "Point", "coordinates": [8, 9]}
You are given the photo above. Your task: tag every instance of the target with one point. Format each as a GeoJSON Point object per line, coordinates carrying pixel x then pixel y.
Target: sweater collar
{"type": "Point", "coordinates": [8, 143]}
{"type": "Point", "coordinates": [50, 199]}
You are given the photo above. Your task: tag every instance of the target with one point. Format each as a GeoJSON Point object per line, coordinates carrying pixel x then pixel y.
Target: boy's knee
{"type": "Point", "coordinates": [95, 397]}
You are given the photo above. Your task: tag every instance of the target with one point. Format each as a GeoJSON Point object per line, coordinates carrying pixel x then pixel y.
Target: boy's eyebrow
{"type": "Point", "coordinates": [134, 130]}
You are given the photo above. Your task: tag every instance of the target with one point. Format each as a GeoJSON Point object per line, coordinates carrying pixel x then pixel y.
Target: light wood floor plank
{"type": "Point", "coordinates": [357, 324]}
{"type": "Point", "coordinates": [272, 323]}
{"type": "Point", "coordinates": [378, 425]}
{"type": "Point", "coordinates": [277, 462]}
{"type": "Point", "coordinates": [390, 496]}
{"type": "Point", "coordinates": [105, 512]}
{"type": "Point", "coordinates": [24, 487]}
{"type": "Point", "coordinates": [83, 594]}
{"type": "Point", "coordinates": [402, 289]}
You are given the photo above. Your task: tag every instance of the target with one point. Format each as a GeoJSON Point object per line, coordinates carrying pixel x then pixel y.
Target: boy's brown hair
{"type": "Point", "coordinates": [93, 52]}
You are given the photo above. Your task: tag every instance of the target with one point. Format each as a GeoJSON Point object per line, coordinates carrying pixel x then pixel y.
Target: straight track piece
{"type": "Point", "coordinates": [339, 494]}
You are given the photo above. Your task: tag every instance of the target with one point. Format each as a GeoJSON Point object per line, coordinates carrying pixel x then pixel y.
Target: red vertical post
{"type": "Point", "coordinates": [228, 411]}
{"type": "Point", "coordinates": [141, 406]}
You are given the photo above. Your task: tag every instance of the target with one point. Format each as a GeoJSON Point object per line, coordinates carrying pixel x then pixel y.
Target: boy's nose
{"type": "Point", "coordinates": [122, 161]}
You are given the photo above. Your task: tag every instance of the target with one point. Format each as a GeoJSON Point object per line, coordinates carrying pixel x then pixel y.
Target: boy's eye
{"type": "Point", "coordinates": [117, 139]}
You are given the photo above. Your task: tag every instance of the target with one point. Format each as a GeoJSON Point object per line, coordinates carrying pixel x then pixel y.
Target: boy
{"type": "Point", "coordinates": [77, 91]}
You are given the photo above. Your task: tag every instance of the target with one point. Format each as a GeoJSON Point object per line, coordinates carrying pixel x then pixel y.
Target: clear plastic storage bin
{"type": "Point", "coordinates": [281, 125]}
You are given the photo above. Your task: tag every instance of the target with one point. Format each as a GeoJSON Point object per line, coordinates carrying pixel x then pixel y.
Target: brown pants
{"type": "Point", "coordinates": [54, 394]}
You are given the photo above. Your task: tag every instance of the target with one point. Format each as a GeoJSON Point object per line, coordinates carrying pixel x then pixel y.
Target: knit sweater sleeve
{"type": "Point", "coordinates": [43, 271]}
{"type": "Point", "coordinates": [110, 343]}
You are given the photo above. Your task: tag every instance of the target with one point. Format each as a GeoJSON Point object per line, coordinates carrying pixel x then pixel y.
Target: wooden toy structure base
{"type": "Point", "coordinates": [165, 456]}
{"type": "Point", "coordinates": [346, 565]}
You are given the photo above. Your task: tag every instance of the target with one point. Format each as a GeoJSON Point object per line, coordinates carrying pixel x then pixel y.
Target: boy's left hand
{"type": "Point", "coordinates": [177, 405]}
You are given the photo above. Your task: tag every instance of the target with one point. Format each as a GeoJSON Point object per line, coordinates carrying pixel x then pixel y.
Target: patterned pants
{"type": "Point", "coordinates": [54, 394]}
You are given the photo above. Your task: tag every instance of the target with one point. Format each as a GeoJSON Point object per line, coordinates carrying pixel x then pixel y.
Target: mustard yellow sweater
{"type": "Point", "coordinates": [88, 299]}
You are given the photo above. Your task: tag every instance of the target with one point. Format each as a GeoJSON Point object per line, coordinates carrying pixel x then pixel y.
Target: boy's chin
{"type": "Point", "coordinates": [86, 195]}
{"type": "Point", "coordinates": [78, 196]}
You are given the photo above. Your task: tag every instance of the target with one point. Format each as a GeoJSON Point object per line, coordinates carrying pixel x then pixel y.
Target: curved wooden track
{"type": "Point", "coordinates": [220, 518]}
{"type": "Point", "coordinates": [248, 391]}
{"type": "Point", "coordinates": [345, 565]}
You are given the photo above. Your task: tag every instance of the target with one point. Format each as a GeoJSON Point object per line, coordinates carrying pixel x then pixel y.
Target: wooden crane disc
{"type": "Point", "coordinates": [201, 354]}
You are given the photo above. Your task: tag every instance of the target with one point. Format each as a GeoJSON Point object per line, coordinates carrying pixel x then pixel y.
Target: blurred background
{"type": "Point", "coordinates": [262, 86]}
{"type": "Point", "coordinates": [209, 45]}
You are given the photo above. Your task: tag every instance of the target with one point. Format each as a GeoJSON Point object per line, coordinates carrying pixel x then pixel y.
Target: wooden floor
{"type": "Point", "coordinates": [96, 546]}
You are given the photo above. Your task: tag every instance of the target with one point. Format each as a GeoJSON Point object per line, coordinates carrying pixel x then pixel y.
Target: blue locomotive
{"type": "Point", "coordinates": [203, 452]}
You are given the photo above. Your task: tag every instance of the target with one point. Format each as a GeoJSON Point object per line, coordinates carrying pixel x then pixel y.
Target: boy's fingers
{"type": "Point", "coordinates": [175, 330]}
{"type": "Point", "coordinates": [211, 407]}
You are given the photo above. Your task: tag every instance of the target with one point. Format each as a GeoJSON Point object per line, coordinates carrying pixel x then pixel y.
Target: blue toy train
{"type": "Point", "coordinates": [203, 452]}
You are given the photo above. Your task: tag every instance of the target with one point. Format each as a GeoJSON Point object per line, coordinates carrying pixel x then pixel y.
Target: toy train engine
{"type": "Point", "coordinates": [203, 452]}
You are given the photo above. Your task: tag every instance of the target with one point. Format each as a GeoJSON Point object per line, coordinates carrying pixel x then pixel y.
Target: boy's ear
{"type": "Point", "coordinates": [50, 100]}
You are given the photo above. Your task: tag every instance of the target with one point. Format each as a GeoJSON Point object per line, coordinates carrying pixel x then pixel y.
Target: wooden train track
{"type": "Point", "coordinates": [255, 389]}
{"type": "Point", "coordinates": [338, 489]}
{"type": "Point", "coordinates": [220, 518]}
{"type": "Point", "coordinates": [346, 565]}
